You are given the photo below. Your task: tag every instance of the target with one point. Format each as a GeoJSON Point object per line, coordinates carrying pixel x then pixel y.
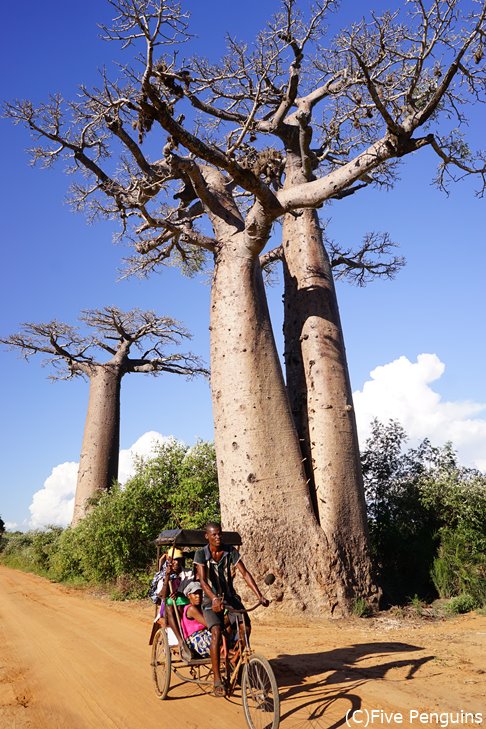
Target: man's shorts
{"type": "Point", "coordinates": [213, 618]}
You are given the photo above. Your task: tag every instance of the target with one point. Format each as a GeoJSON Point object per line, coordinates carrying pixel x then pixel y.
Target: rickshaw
{"type": "Point", "coordinates": [239, 665]}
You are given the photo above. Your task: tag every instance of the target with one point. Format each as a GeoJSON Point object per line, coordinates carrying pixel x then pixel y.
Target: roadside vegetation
{"type": "Point", "coordinates": [426, 515]}
{"type": "Point", "coordinates": [427, 521]}
{"type": "Point", "coordinates": [112, 547]}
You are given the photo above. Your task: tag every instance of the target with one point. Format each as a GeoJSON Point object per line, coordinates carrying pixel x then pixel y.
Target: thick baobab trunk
{"type": "Point", "coordinates": [98, 463]}
{"type": "Point", "coordinates": [321, 398]}
{"type": "Point", "coordinates": [263, 488]}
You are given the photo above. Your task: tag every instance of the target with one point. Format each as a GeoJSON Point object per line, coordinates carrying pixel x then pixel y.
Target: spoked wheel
{"type": "Point", "coordinates": [261, 702]}
{"type": "Point", "coordinates": [161, 663]}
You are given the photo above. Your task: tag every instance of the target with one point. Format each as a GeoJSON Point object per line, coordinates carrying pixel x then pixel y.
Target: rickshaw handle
{"type": "Point", "coordinates": [239, 611]}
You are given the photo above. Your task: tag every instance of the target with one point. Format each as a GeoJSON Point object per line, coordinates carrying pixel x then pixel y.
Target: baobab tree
{"type": "Point", "coordinates": [272, 133]}
{"type": "Point", "coordinates": [72, 354]}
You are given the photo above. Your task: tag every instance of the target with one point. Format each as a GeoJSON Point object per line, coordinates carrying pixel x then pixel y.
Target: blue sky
{"type": "Point", "coordinates": [55, 265]}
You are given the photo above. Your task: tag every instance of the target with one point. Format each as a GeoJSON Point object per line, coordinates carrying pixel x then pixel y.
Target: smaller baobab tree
{"type": "Point", "coordinates": [72, 354]}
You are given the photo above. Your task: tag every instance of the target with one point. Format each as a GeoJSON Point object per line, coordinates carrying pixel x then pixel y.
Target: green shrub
{"type": "Point", "coordinates": [361, 609]}
{"type": "Point", "coordinates": [195, 501]}
{"type": "Point", "coordinates": [31, 551]}
{"type": "Point", "coordinates": [129, 587]}
{"type": "Point", "coordinates": [65, 562]}
{"type": "Point", "coordinates": [460, 565]}
{"type": "Point", "coordinates": [17, 551]}
{"type": "Point", "coordinates": [114, 542]}
{"type": "Point", "coordinates": [417, 605]}
{"type": "Point", "coordinates": [461, 604]}
{"type": "Point", "coordinates": [402, 528]}
{"type": "Point", "coordinates": [44, 545]}
{"type": "Point", "coordinates": [459, 497]}
{"type": "Point", "coordinates": [427, 518]}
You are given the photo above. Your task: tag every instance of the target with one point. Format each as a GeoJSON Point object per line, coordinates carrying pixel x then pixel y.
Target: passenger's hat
{"type": "Point", "coordinates": [175, 553]}
{"type": "Point", "coordinates": [192, 587]}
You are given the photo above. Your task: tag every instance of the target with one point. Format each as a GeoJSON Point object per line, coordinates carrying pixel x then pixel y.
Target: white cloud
{"type": "Point", "coordinates": [145, 446]}
{"type": "Point", "coordinates": [54, 503]}
{"type": "Point", "coordinates": [401, 390]}
{"type": "Point", "coordinates": [11, 526]}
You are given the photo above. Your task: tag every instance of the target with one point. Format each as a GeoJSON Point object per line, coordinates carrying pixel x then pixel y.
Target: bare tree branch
{"type": "Point", "coordinates": [115, 332]}
{"type": "Point", "coordinates": [372, 260]}
{"type": "Point", "coordinates": [362, 99]}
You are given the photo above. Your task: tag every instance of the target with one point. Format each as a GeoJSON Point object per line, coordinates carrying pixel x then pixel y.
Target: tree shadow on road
{"type": "Point", "coordinates": [335, 694]}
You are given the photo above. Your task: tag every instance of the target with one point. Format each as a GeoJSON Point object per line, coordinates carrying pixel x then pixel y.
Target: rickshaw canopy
{"type": "Point", "coordinates": [193, 538]}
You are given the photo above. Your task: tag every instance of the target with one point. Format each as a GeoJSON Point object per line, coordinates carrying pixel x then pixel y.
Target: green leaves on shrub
{"type": "Point", "coordinates": [460, 565]}
{"type": "Point", "coordinates": [462, 604]}
{"type": "Point", "coordinates": [176, 488]}
{"type": "Point", "coordinates": [402, 529]}
{"type": "Point", "coordinates": [427, 518]}
{"type": "Point", "coordinates": [361, 609]}
{"type": "Point", "coordinates": [31, 551]}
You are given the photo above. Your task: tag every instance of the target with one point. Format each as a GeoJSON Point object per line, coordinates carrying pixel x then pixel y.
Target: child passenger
{"type": "Point", "coordinates": [193, 622]}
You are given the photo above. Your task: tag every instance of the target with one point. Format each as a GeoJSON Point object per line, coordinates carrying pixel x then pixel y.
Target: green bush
{"type": "Point", "coordinates": [17, 550]}
{"type": "Point", "coordinates": [460, 565]}
{"type": "Point", "coordinates": [402, 529]}
{"type": "Point", "coordinates": [31, 551]}
{"type": "Point", "coordinates": [65, 562]}
{"type": "Point", "coordinates": [44, 545]}
{"type": "Point", "coordinates": [129, 587]}
{"type": "Point", "coordinates": [459, 498]}
{"type": "Point", "coordinates": [427, 518]}
{"type": "Point", "coordinates": [461, 604]}
{"type": "Point", "coordinates": [196, 499]}
{"type": "Point", "coordinates": [114, 543]}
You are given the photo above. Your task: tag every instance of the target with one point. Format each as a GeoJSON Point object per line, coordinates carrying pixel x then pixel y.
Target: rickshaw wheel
{"type": "Point", "coordinates": [161, 663]}
{"type": "Point", "coordinates": [261, 701]}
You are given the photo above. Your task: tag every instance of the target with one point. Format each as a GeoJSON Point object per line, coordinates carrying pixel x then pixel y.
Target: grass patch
{"type": "Point", "coordinates": [361, 609]}
{"type": "Point", "coordinates": [461, 604]}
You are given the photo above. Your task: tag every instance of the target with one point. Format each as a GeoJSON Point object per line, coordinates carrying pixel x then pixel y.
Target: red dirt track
{"type": "Point", "coordinates": [70, 659]}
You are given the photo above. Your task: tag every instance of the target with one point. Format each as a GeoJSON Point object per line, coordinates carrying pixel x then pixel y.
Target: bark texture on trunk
{"type": "Point", "coordinates": [321, 397]}
{"type": "Point", "coordinates": [263, 487]}
{"type": "Point", "coordinates": [98, 463]}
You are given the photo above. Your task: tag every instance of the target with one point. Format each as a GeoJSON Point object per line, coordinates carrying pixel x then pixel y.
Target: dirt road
{"type": "Point", "coordinates": [68, 659]}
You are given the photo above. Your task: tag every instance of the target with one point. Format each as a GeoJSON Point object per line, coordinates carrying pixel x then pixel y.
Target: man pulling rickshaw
{"type": "Point", "coordinates": [216, 564]}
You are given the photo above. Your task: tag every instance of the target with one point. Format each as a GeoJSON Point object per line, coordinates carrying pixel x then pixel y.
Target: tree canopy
{"type": "Point", "coordinates": [355, 102]}
{"type": "Point", "coordinates": [427, 518]}
{"type": "Point", "coordinates": [109, 331]}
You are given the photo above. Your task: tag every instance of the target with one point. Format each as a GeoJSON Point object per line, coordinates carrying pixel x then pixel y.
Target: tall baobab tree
{"type": "Point", "coordinates": [272, 133]}
{"type": "Point", "coordinates": [117, 334]}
